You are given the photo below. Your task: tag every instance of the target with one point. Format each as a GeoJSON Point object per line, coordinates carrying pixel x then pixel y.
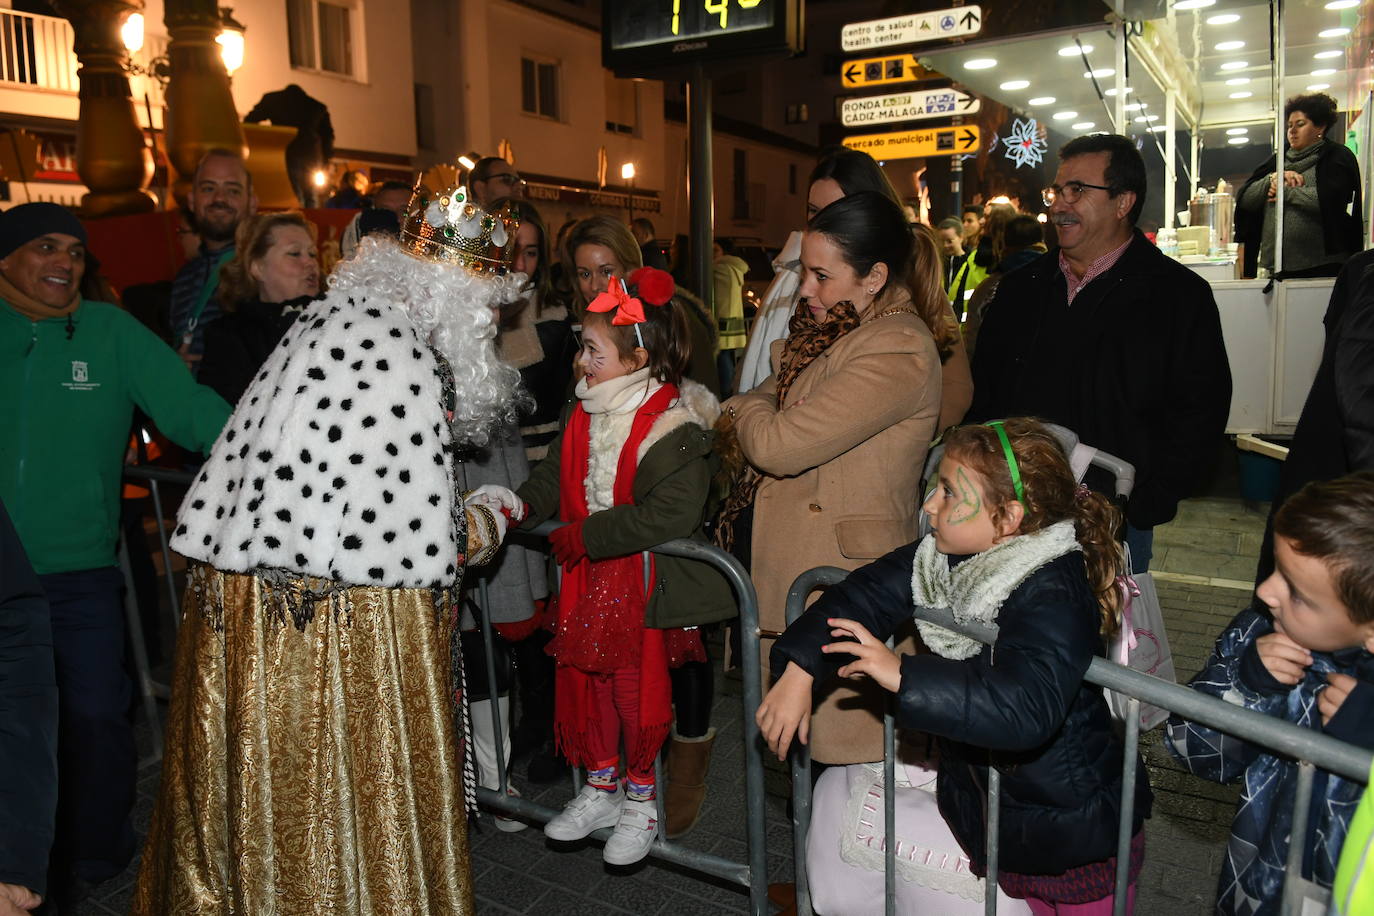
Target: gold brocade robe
{"type": "Point", "coordinates": [311, 759]}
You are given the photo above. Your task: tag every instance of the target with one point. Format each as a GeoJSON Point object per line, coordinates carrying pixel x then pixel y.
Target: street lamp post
{"type": "Point", "coordinates": [627, 173]}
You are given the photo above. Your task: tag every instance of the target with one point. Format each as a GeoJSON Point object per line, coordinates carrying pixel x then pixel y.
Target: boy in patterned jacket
{"type": "Point", "coordinates": [1308, 661]}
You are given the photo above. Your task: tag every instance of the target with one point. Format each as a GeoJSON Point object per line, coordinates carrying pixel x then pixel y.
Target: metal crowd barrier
{"type": "Point", "coordinates": [1311, 749]}
{"type": "Point", "coordinates": [752, 874]}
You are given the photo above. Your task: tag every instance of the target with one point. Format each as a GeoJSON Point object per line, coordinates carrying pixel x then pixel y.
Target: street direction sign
{"type": "Point", "coordinates": [912, 28]}
{"type": "Point", "coordinates": [911, 144]}
{"type": "Point", "coordinates": [907, 106]}
{"type": "Point", "coordinates": [880, 71]}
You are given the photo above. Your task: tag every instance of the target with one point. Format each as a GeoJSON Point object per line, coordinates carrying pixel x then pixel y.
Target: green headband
{"type": "Point", "coordinates": [1011, 459]}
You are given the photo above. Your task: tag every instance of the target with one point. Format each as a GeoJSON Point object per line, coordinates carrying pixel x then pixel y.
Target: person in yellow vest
{"type": "Point", "coordinates": [728, 276]}
{"type": "Point", "coordinates": [1353, 891]}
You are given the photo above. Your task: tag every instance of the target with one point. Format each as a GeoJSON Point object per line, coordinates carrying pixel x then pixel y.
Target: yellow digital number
{"type": "Point", "coordinates": [749, 4]}
{"type": "Point", "coordinates": [718, 6]}
{"type": "Point", "coordinates": [677, 8]}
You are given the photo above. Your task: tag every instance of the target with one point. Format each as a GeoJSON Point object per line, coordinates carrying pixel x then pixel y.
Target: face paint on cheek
{"type": "Point", "coordinates": [969, 504]}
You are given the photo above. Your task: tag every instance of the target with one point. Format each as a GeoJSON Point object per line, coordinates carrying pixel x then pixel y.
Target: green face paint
{"type": "Point", "coordinates": [969, 504]}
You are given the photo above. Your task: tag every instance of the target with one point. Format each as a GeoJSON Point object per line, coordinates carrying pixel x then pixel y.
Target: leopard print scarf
{"type": "Point", "coordinates": [806, 340]}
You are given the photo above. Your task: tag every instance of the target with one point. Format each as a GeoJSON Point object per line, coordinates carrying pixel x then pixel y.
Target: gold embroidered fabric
{"type": "Point", "coordinates": [308, 771]}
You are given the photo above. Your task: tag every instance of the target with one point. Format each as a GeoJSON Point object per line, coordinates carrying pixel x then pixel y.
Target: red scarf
{"type": "Point", "coordinates": [601, 607]}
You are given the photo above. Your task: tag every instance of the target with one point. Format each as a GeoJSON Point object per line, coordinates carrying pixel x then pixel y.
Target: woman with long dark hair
{"type": "Point", "coordinates": [836, 438]}
{"type": "Point", "coordinates": [839, 173]}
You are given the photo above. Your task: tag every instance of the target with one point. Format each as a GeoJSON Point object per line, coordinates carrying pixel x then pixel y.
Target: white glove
{"type": "Point", "coordinates": [499, 499]}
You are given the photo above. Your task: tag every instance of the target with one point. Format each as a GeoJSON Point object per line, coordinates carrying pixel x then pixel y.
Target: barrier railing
{"type": "Point", "coordinates": [751, 874]}
{"type": "Point", "coordinates": [1311, 749]}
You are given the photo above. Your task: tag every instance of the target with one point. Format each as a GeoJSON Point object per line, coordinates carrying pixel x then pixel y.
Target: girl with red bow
{"type": "Point", "coordinates": [631, 469]}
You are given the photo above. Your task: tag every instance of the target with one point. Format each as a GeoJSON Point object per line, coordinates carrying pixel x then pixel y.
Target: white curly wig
{"type": "Point", "coordinates": [452, 308]}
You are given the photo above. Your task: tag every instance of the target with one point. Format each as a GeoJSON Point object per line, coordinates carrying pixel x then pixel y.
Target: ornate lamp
{"type": "Point", "coordinates": [200, 107]}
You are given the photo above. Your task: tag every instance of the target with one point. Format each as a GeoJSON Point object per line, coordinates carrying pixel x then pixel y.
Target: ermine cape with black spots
{"type": "Point", "coordinates": [336, 462]}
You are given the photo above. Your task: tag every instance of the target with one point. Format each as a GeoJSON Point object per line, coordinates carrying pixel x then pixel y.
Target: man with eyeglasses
{"type": "Point", "coordinates": [493, 178]}
{"type": "Point", "coordinates": [1108, 336]}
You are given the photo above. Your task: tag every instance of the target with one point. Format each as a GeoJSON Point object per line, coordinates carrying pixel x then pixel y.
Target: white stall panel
{"type": "Point", "coordinates": [1298, 347]}
{"type": "Point", "coordinates": [1247, 324]}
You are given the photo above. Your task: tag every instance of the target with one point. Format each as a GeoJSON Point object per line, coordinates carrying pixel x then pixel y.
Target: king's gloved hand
{"type": "Point", "coordinates": [500, 499]}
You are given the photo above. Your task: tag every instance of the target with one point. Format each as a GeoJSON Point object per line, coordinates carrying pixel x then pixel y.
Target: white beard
{"type": "Point", "coordinates": [451, 307]}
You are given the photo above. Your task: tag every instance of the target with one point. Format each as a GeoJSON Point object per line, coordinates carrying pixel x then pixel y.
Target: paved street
{"type": "Point", "coordinates": [1202, 563]}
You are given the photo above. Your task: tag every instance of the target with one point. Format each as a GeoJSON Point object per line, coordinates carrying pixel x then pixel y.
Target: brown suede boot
{"type": "Point", "coordinates": [688, 759]}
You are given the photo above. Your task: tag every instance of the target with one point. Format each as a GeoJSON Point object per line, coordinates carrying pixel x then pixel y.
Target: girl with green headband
{"type": "Point", "coordinates": [1016, 542]}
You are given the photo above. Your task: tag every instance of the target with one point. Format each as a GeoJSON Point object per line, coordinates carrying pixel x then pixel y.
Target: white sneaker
{"type": "Point", "coordinates": [590, 810]}
{"type": "Point", "coordinates": [634, 833]}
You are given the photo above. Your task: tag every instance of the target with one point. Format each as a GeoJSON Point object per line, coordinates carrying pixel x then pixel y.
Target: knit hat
{"type": "Point", "coordinates": [26, 222]}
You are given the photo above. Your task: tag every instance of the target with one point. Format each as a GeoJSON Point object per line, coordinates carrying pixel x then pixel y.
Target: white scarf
{"type": "Point", "coordinates": [973, 591]}
{"type": "Point", "coordinates": [612, 405]}
{"type": "Point", "coordinates": [624, 394]}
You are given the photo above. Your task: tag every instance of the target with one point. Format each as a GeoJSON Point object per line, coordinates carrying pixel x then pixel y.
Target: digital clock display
{"type": "Point", "coordinates": [641, 35]}
{"type": "Point", "coordinates": [655, 21]}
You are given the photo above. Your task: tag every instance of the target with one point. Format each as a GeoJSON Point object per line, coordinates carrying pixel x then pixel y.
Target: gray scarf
{"type": "Point", "coordinates": [1300, 160]}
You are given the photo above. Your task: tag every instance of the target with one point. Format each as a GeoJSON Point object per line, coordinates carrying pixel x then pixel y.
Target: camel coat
{"type": "Point", "coordinates": [843, 460]}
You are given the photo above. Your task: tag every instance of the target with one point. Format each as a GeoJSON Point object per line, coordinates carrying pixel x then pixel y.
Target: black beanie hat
{"type": "Point", "coordinates": [26, 222]}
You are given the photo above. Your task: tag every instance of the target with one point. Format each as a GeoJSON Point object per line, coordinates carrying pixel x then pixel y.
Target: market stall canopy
{"type": "Point", "coordinates": [1216, 55]}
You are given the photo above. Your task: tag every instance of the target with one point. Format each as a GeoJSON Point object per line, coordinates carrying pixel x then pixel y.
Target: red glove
{"type": "Point", "coordinates": [567, 544]}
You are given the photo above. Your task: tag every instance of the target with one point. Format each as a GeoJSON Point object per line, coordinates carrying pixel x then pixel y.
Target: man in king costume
{"type": "Point", "coordinates": [316, 735]}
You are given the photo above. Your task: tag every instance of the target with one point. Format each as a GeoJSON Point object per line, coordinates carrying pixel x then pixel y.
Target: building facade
{"type": "Point", "coordinates": [415, 83]}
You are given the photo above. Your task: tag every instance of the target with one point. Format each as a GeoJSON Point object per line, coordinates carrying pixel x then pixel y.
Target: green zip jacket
{"type": "Point", "coordinates": [672, 484]}
{"type": "Point", "coordinates": [66, 410]}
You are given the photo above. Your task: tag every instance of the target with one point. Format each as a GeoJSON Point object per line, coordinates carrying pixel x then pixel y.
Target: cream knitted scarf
{"type": "Point", "coordinates": [974, 590]}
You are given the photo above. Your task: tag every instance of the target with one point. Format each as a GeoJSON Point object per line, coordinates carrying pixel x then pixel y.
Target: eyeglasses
{"type": "Point", "coordinates": [510, 179]}
{"type": "Point", "coordinates": [1069, 190]}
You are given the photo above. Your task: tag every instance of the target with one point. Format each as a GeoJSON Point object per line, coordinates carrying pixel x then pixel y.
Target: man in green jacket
{"type": "Point", "coordinates": [72, 372]}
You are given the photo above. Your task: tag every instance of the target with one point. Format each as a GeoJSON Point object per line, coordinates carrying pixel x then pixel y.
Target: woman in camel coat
{"type": "Point", "coordinates": [837, 460]}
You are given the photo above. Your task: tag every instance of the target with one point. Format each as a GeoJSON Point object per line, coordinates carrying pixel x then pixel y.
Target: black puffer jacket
{"type": "Point", "coordinates": [1136, 366]}
{"type": "Point", "coordinates": [1020, 704]}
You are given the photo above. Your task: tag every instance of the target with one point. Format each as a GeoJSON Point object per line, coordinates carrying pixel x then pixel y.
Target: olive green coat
{"type": "Point", "coordinates": [671, 490]}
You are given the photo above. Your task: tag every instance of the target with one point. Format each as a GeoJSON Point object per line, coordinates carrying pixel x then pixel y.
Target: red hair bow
{"type": "Point", "coordinates": [631, 310]}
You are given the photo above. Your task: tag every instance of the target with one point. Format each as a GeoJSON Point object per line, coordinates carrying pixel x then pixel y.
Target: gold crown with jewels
{"type": "Point", "coordinates": [448, 227]}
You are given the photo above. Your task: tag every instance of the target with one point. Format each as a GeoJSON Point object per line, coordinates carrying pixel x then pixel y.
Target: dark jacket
{"type": "Point", "coordinates": [1253, 867]}
{"type": "Point", "coordinates": [313, 144]}
{"type": "Point", "coordinates": [1137, 367]}
{"type": "Point", "coordinates": [1338, 187]}
{"type": "Point", "coordinates": [672, 486]}
{"type": "Point", "coordinates": [1020, 705]}
{"type": "Point", "coordinates": [237, 343]}
{"type": "Point", "coordinates": [1335, 434]}
{"type": "Point", "coordinates": [548, 382]}
{"type": "Point", "coordinates": [187, 288]}
{"type": "Point", "coordinates": [28, 719]}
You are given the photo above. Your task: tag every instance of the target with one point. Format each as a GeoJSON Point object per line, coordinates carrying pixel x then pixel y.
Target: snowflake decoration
{"type": "Point", "coordinates": [1025, 146]}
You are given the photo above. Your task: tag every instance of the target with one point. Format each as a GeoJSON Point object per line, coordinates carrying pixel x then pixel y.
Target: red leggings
{"type": "Point", "coordinates": [617, 696]}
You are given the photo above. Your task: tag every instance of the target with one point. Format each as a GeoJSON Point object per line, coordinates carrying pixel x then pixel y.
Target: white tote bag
{"type": "Point", "coordinates": [1141, 643]}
